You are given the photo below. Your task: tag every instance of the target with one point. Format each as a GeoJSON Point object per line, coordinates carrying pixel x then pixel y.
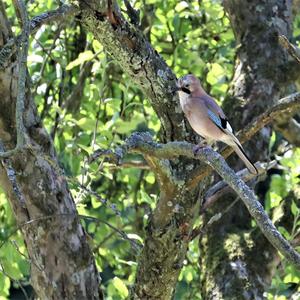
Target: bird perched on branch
{"type": "Point", "coordinates": [207, 118]}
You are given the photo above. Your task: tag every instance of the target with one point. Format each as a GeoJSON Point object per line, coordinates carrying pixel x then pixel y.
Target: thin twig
{"type": "Point", "coordinates": [97, 196]}
{"type": "Point", "coordinates": [62, 13]}
{"type": "Point", "coordinates": [137, 164]}
{"type": "Point", "coordinates": [221, 188]}
{"type": "Point", "coordinates": [136, 245]}
{"type": "Point", "coordinates": [292, 50]}
{"type": "Point", "coordinates": [200, 230]}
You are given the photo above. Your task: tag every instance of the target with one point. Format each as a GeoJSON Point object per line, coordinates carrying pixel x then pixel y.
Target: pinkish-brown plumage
{"type": "Point", "coordinates": [207, 118]}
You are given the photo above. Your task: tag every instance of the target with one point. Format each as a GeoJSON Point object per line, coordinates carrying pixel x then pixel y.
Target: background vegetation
{"type": "Point", "coordinates": [87, 103]}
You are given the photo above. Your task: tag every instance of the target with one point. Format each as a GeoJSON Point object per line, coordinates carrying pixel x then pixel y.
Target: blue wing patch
{"type": "Point", "coordinates": [215, 119]}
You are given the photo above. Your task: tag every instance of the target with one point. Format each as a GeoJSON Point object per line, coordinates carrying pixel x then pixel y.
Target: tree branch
{"type": "Point", "coordinates": [221, 188]}
{"type": "Point", "coordinates": [22, 62]}
{"type": "Point", "coordinates": [127, 45]}
{"type": "Point", "coordinates": [284, 105]}
{"type": "Point", "coordinates": [11, 175]}
{"type": "Point", "coordinates": [23, 41]}
{"type": "Point", "coordinates": [292, 50]}
{"type": "Point", "coordinates": [290, 129]}
{"type": "Point", "coordinates": [64, 12]}
{"type": "Point", "coordinates": [143, 143]}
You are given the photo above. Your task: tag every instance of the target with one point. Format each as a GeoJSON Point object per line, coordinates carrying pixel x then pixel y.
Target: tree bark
{"type": "Point", "coordinates": [171, 222]}
{"type": "Point", "coordinates": [62, 264]}
{"type": "Point", "coordinates": [170, 225]}
{"type": "Point", "coordinates": [238, 262]}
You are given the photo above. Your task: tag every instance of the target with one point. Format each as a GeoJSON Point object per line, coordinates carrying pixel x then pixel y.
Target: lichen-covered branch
{"type": "Point", "coordinates": [286, 105]}
{"type": "Point", "coordinates": [11, 175]}
{"type": "Point", "coordinates": [22, 62]}
{"type": "Point", "coordinates": [62, 13]}
{"type": "Point", "coordinates": [142, 143]}
{"type": "Point", "coordinates": [127, 45]}
{"type": "Point", "coordinates": [173, 216]}
{"type": "Point", "coordinates": [221, 188]}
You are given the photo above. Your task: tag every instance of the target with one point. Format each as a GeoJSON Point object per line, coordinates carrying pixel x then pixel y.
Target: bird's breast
{"type": "Point", "coordinates": [184, 101]}
{"type": "Point", "coordinates": [197, 115]}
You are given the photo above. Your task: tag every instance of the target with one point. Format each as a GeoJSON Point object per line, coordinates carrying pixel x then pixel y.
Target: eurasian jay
{"type": "Point", "coordinates": [207, 118]}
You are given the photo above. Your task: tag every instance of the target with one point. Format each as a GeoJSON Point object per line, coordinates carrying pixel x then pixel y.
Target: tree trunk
{"type": "Point", "coordinates": [62, 264]}
{"type": "Point", "coordinates": [169, 227]}
{"type": "Point", "coordinates": [237, 261]}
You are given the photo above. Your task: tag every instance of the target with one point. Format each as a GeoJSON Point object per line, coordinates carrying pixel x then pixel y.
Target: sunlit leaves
{"type": "Point", "coordinates": [215, 74]}
{"type": "Point", "coordinates": [284, 186]}
{"type": "Point", "coordinates": [83, 57]}
{"type": "Point", "coordinates": [4, 285]}
{"type": "Point", "coordinates": [190, 36]}
{"type": "Point", "coordinates": [117, 289]}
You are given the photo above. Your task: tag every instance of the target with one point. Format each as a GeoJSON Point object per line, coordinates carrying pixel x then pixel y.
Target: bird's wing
{"type": "Point", "coordinates": [216, 114]}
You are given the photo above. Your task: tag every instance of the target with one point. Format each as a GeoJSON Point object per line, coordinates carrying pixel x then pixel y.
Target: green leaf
{"type": "Point", "coordinates": [215, 74]}
{"type": "Point", "coordinates": [150, 178]}
{"type": "Point", "coordinates": [294, 209]}
{"type": "Point", "coordinates": [120, 287]}
{"type": "Point", "coordinates": [275, 199]}
{"type": "Point", "coordinates": [87, 124]}
{"type": "Point", "coordinates": [135, 237]}
{"type": "Point", "coordinates": [97, 46]}
{"type": "Point", "coordinates": [86, 149]}
{"type": "Point", "coordinates": [181, 6]}
{"type": "Point", "coordinates": [284, 232]}
{"type": "Point", "coordinates": [4, 285]}
{"type": "Point", "coordinates": [82, 57]}
{"type": "Point", "coordinates": [145, 197]}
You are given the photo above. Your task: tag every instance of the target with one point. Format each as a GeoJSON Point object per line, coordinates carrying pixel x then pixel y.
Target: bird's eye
{"type": "Point", "coordinates": [186, 88]}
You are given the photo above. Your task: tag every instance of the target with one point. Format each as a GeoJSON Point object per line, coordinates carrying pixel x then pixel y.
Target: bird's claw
{"type": "Point", "coordinates": [198, 147]}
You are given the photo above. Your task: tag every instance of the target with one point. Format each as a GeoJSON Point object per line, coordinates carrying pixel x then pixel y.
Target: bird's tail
{"type": "Point", "coordinates": [232, 141]}
{"type": "Point", "coordinates": [237, 147]}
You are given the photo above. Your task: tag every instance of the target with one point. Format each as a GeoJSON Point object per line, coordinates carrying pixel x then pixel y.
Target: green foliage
{"type": "Point", "coordinates": [14, 265]}
{"type": "Point", "coordinates": [283, 198]}
{"type": "Point", "coordinates": [193, 37]}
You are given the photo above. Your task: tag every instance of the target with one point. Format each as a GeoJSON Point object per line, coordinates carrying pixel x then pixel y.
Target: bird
{"type": "Point", "coordinates": [207, 118]}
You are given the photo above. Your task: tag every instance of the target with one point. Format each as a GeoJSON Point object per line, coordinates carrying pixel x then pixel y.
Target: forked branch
{"type": "Point", "coordinates": [143, 143]}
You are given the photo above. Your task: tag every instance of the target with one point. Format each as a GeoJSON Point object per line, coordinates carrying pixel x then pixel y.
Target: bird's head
{"type": "Point", "coordinates": [189, 84]}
